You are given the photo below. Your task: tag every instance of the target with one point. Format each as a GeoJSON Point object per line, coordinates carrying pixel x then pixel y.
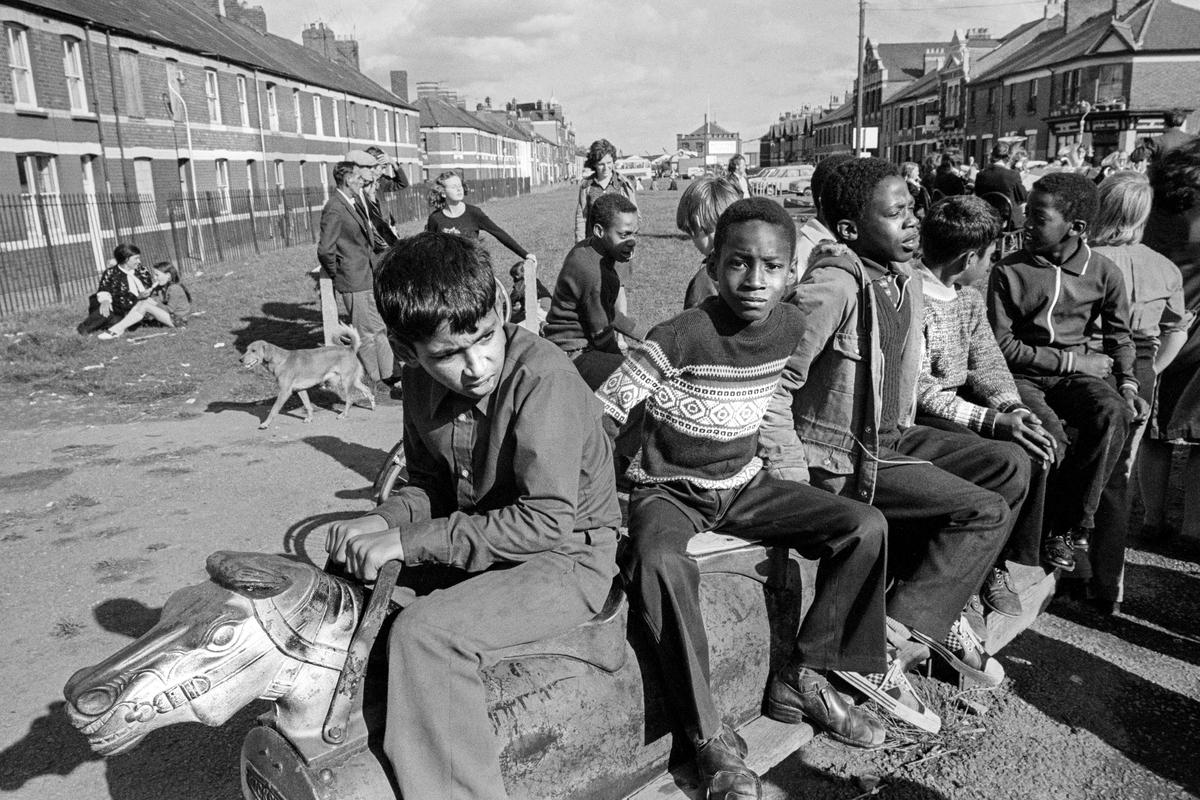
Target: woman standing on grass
{"type": "Point", "coordinates": [125, 293]}
{"type": "Point", "coordinates": [604, 180]}
{"type": "Point", "coordinates": [452, 215]}
{"type": "Point", "coordinates": [737, 175]}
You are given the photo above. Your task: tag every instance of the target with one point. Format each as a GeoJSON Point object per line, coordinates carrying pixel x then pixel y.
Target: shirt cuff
{"type": "Point", "coordinates": [103, 297]}
{"type": "Point", "coordinates": [1129, 383]}
{"type": "Point", "coordinates": [426, 542]}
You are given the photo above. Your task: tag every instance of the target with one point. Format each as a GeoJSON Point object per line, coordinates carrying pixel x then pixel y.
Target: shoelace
{"type": "Point", "coordinates": [962, 639]}
{"type": "Point", "coordinates": [1003, 578]}
{"type": "Point", "coordinates": [895, 679]}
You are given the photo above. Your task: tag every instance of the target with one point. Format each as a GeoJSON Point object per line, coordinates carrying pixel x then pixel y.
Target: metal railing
{"type": "Point", "coordinates": [53, 247]}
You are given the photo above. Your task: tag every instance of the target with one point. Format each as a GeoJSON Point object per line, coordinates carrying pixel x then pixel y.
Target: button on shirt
{"type": "Point", "coordinates": [525, 470]}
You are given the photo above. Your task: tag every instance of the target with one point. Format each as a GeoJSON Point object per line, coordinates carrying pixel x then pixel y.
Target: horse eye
{"type": "Point", "coordinates": [222, 636]}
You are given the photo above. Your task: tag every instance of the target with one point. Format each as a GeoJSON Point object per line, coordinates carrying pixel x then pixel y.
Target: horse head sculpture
{"type": "Point", "coordinates": [263, 627]}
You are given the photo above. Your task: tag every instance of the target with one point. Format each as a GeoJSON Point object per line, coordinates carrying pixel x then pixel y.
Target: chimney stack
{"type": "Point", "coordinates": [400, 83]}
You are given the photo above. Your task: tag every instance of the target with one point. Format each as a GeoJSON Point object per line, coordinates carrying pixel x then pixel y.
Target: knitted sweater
{"type": "Point", "coordinates": [706, 378]}
{"type": "Point", "coordinates": [964, 377]}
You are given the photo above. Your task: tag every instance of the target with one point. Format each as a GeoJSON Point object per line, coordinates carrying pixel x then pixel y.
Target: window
{"type": "Point", "coordinates": [337, 124]}
{"type": "Point", "coordinates": [131, 78]}
{"type": "Point", "coordinates": [991, 99]}
{"type": "Point", "coordinates": [174, 104]}
{"type": "Point", "coordinates": [279, 176]}
{"type": "Point", "coordinates": [143, 176]}
{"type": "Point", "coordinates": [1031, 103]}
{"type": "Point", "coordinates": [222, 178]}
{"type": "Point", "coordinates": [73, 70]}
{"type": "Point", "coordinates": [386, 127]}
{"type": "Point", "coordinates": [1111, 85]}
{"type": "Point", "coordinates": [250, 182]}
{"type": "Point", "coordinates": [1011, 106]}
{"type": "Point", "coordinates": [20, 66]}
{"type": "Point", "coordinates": [1070, 87]}
{"type": "Point", "coordinates": [324, 170]}
{"type": "Point", "coordinates": [351, 122]}
{"type": "Point", "coordinates": [372, 125]}
{"type": "Point", "coordinates": [318, 121]}
{"type": "Point", "coordinates": [272, 108]}
{"type": "Point", "coordinates": [458, 143]}
{"type": "Point", "coordinates": [38, 175]}
{"type": "Point", "coordinates": [971, 104]}
{"type": "Point", "coordinates": [212, 93]}
{"type": "Point", "coordinates": [296, 110]}
{"type": "Point", "coordinates": [424, 142]}
{"type": "Point", "coordinates": [243, 101]}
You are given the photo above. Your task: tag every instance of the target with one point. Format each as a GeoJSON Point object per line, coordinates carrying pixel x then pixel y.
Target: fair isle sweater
{"type": "Point", "coordinates": [964, 377]}
{"type": "Point", "coordinates": [706, 378]}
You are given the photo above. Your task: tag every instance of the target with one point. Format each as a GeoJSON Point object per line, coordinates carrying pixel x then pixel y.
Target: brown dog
{"type": "Point", "coordinates": [334, 367]}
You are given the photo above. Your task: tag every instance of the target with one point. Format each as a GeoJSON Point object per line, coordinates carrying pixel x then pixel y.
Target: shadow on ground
{"type": "Point", "coordinates": [290, 325]}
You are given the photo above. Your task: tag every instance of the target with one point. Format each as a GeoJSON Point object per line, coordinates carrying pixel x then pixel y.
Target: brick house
{"type": "Point", "coordinates": [833, 131]}
{"type": "Point", "coordinates": [476, 145]}
{"type": "Point", "coordinates": [789, 139]}
{"type": "Point", "coordinates": [712, 144]}
{"type": "Point", "coordinates": [887, 70]}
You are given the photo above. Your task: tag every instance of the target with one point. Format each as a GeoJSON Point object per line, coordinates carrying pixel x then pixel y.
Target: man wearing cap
{"type": "Point", "coordinates": [347, 256]}
{"type": "Point", "coordinates": [379, 231]}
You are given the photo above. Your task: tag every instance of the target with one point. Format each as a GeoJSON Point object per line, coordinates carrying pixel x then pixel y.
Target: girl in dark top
{"type": "Point", "coordinates": [452, 215]}
{"type": "Point", "coordinates": [126, 293]}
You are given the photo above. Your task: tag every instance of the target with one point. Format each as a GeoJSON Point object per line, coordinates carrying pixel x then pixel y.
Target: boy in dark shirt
{"type": "Point", "coordinates": [1045, 302]}
{"type": "Point", "coordinates": [585, 316]}
{"type": "Point", "coordinates": [510, 480]}
{"type": "Point", "coordinates": [706, 377]}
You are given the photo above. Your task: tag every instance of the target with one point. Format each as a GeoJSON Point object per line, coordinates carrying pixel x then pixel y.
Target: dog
{"type": "Point", "coordinates": [335, 367]}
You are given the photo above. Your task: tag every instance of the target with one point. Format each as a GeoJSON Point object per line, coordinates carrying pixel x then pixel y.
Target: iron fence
{"type": "Point", "coordinates": [54, 246]}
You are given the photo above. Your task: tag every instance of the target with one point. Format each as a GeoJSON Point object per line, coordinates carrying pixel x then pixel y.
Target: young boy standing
{"type": "Point", "coordinates": [1044, 303]}
{"type": "Point", "coordinates": [965, 385]}
{"type": "Point", "coordinates": [706, 377]}
{"type": "Point", "coordinates": [510, 480]}
{"type": "Point", "coordinates": [843, 418]}
{"type": "Point", "coordinates": [585, 315]}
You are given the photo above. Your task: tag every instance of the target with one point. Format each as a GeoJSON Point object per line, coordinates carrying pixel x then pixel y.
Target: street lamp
{"type": "Point", "coordinates": [187, 126]}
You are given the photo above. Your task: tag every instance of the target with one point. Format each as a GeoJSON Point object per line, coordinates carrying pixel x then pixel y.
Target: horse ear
{"type": "Point", "coordinates": [255, 575]}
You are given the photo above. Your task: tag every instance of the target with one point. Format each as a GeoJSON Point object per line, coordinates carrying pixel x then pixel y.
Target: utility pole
{"type": "Point", "coordinates": [858, 94]}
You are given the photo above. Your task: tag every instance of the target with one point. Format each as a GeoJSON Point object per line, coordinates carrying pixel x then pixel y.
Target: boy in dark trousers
{"type": "Point", "coordinates": [706, 377]}
{"type": "Point", "coordinates": [585, 316]}
{"type": "Point", "coordinates": [510, 482]}
{"type": "Point", "coordinates": [851, 387]}
{"type": "Point", "coordinates": [1044, 303]}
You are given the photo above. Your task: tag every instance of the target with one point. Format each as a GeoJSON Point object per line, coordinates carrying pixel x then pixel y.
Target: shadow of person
{"type": "Point", "coordinates": [126, 616]}
{"type": "Point", "coordinates": [363, 460]}
{"type": "Point", "coordinates": [1151, 724]}
{"type": "Point", "coordinates": [806, 780]}
{"type": "Point", "coordinates": [290, 325]}
{"type": "Point", "coordinates": [51, 746]}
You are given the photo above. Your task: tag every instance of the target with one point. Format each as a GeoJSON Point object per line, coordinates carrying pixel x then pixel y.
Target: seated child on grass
{"type": "Point", "coordinates": [699, 207]}
{"type": "Point", "coordinates": [706, 377]}
{"type": "Point", "coordinates": [965, 385]}
{"type": "Point", "coordinates": [1045, 302]}
{"type": "Point", "coordinates": [510, 480]}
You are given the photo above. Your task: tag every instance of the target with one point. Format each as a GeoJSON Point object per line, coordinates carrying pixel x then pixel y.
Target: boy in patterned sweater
{"type": "Point", "coordinates": [964, 385]}
{"type": "Point", "coordinates": [706, 377]}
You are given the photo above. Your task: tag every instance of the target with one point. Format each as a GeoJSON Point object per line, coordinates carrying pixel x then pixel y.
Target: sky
{"type": "Point", "coordinates": [638, 73]}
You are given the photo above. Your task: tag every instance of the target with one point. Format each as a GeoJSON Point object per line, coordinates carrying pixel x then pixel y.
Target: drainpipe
{"type": "Point", "coordinates": [87, 42]}
{"type": "Point", "coordinates": [112, 80]}
{"type": "Point", "coordinates": [262, 143]}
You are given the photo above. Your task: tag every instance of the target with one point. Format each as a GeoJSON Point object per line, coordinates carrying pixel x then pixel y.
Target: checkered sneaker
{"type": "Point", "coordinates": [893, 692]}
{"type": "Point", "coordinates": [964, 652]}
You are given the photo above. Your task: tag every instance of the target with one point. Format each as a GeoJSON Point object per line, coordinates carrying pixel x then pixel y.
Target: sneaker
{"type": "Point", "coordinates": [998, 594]}
{"type": "Point", "coordinates": [964, 652]}
{"type": "Point", "coordinates": [722, 768]}
{"type": "Point", "coordinates": [1080, 539]}
{"type": "Point", "coordinates": [895, 695]}
{"type": "Point", "coordinates": [799, 694]}
{"type": "Point", "coordinates": [107, 336]}
{"type": "Point", "coordinates": [1058, 553]}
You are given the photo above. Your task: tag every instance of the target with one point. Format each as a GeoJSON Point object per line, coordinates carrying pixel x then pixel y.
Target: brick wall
{"type": "Point", "coordinates": [1165, 85]}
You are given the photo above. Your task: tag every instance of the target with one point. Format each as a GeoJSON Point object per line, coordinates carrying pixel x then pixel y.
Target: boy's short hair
{"type": "Point", "coordinates": [851, 185]}
{"type": "Point", "coordinates": [342, 170]}
{"type": "Point", "coordinates": [755, 209]}
{"type": "Point", "coordinates": [432, 278]}
{"type": "Point", "coordinates": [597, 151]}
{"type": "Point", "coordinates": [1075, 195]}
{"type": "Point", "coordinates": [702, 203]}
{"type": "Point", "coordinates": [822, 171]}
{"type": "Point", "coordinates": [957, 225]}
{"type": "Point", "coordinates": [606, 207]}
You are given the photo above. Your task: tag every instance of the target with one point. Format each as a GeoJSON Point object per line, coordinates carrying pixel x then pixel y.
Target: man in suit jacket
{"type": "Point", "coordinates": [1173, 136]}
{"type": "Point", "coordinates": [998, 177]}
{"type": "Point", "coordinates": [347, 257]}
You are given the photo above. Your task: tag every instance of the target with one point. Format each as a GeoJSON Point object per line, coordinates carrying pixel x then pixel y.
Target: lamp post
{"type": "Point", "coordinates": [187, 126]}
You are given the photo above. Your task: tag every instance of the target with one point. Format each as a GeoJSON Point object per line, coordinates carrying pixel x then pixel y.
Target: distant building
{"type": "Point", "coordinates": [833, 131]}
{"type": "Point", "coordinates": [475, 145]}
{"type": "Point", "coordinates": [789, 139]}
{"type": "Point", "coordinates": [712, 144]}
{"type": "Point", "coordinates": [548, 120]}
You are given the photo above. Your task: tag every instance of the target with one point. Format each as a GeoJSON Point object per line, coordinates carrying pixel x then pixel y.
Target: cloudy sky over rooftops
{"type": "Point", "coordinates": [638, 73]}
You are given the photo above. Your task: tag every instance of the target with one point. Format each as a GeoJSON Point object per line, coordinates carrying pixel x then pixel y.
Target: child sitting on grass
{"type": "Point", "coordinates": [706, 377]}
{"type": "Point", "coordinates": [1045, 302]}
{"type": "Point", "coordinates": [965, 385]}
{"type": "Point", "coordinates": [700, 206]}
{"type": "Point", "coordinates": [510, 483]}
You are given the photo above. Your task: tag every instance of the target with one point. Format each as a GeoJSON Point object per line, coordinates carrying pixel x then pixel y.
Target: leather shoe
{"type": "Point", "coordinates": [723, 772]}
{"type": "Point", "coordinates": [798, 694]}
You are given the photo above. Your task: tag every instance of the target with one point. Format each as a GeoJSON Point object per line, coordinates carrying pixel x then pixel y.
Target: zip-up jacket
{"type": "Point", "coordinates": [1044, 315]}
{"type": "Point", "coordinates": [833, 382]}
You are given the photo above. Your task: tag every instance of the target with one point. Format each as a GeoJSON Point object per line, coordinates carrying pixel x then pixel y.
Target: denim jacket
{"type": "Point", "coordinates": [822, 425]}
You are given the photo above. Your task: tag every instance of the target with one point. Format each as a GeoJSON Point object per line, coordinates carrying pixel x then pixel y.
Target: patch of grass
{"type": "Point", "coordinates": [67, 628]}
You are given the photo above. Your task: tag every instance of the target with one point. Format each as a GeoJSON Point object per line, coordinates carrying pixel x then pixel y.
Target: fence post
{"type": "Point", "coordinates": [212, 218]}
{"type": "Point", "coordinates": [253, 227]}
{"type": "Point", "coordinates": [175, 234]}
{"type": "Point", "coordinates": [41, 207]}
{"type": "Point", "coordinates": [285, 219]}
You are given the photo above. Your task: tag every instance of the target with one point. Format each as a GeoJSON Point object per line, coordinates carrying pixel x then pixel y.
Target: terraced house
{"type": "Point", "coordinates": [478, 146]}
{"type": "Point", "coordinates": [186, 110]}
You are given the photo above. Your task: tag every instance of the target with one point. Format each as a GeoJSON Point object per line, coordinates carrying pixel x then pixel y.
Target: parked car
{"type": "Point", "coordinates": [757, 182]}
{"type": "Point", "coordinates": [780, 180]}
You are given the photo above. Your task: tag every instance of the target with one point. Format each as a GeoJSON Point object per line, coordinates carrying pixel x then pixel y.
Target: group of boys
{"type": "Point", "coordinates": [772, 410]}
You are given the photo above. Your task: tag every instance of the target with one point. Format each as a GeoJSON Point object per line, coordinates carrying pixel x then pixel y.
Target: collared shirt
{"type": "Point", "coordinates": [525, 470]}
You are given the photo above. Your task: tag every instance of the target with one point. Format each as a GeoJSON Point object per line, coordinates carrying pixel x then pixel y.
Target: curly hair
{"type": "Point", "coordinates": [607, 206]}
{"type": "Point", "coordinates": [597, 151]}
{"type": "Point", "coordinates": [755, 209]}
{"type": "Point", "coordinates": [957, 225]}
{"type": "Point", "coordinates": [125, 251]}
{"type": "Point", "coordinates": [821, 173]}
{"type": "Point", "coordinates": [1075, 195]}
{"type": "Point", "coordinates": [848, 190]}
{"type": "Point", "coordinates": [437, 194]}
{"type": "Point", "coordinates": [1175, 176]}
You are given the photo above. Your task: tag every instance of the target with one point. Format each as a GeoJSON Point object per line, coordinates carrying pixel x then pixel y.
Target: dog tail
{"type": "Point", "coordinates": [349, 337]}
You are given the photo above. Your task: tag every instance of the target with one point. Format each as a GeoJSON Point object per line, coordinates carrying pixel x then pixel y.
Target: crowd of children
{"type": "Point", "coordinates": [864, 404]}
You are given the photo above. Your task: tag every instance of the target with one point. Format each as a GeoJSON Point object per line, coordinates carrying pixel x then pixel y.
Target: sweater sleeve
{"type": "Point", "coordinates": [484, 223]}
{"type": "Point", "coordinates": [581, 213]}
{"type": "Point", "coordinates": [1114, 323]}
{"type": "Point", "coordinates": [1175, 316]}
{"type": "Point", "coordinates": [1020, 356]}
{"type": "Point", "coordinates": [644, 369]}
{"type": "Point", "coordinates": [988, 377]}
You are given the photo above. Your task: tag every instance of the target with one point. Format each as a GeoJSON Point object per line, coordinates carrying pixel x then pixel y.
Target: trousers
{"type": "Point", "coordinates": [844, 626]}
{"type": "Point", "coordinates": [438, 735]}
{"type": "Point", "coordinates": [376, 351]}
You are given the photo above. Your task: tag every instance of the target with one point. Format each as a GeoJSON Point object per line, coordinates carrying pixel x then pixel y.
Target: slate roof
{"type": "Point", "coordinates": [438, 113]}
{"type": "Point", "coordinates": [182, 25]}
{"type": "Point", "coordinates": [713, 129]}
{"type": "Point", "coordinates": [905, 57]}
{"type": "Point", "coordinates": [841, 112]}
{"type": "Point", "coordinates": [926, 84]}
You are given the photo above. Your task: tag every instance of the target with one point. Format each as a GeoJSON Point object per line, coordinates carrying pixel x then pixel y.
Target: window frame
{"type": "Point", "coordinates": [318, 116]}
{"type": "Point", "coordinates": [272, 108]}
{"type": "Point", "coordinates": [73, 59]}
{"type": "Point", "coordinates": [221, 180]}
{"type": "Point", "coordinates": [296, 110]}
{"type": "Point", "coordinates": [243, 100]}
{"type": "Point", "coordinates": [131, 80]}
{"type": "Point", "coordinates": [21, 74]}
{"type": "Point", "coordinates": [212, 96]}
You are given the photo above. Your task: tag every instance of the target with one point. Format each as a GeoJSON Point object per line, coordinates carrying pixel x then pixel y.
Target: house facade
{"type": "Point", "coordinates": [476, 145]}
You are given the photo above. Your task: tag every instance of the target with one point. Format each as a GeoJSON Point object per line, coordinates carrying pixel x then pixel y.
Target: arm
{"type": "Point", "coordinates": [484, 223]}
{"type": "Point", "coordinates": [623, 322]}
{"type": "Point", "coordinates": [1020, 356]}
{"type": "Point", "coordinates": [1174, 324]}
{"type": "Point", "coordinates": [937, 400]}
{"type": "Point", "coordinates": [107, 289]}
{"type": "Point", "coordinates": [1114, 324]}
{"type": "Point", "coordinates": [988, 377]}
{"type": "Point", "coordinates": [431, 225]}
{"type": "Point", "coordinates": [639, 376]}
{"type": "Point", "coordinates": [399, 177]}
{"type": "Point", "coordinates": [331, 228]}
{"type": "Point", "coordinates": [581, 209]}
{"type": "Point", "coordinates": [593, 319]}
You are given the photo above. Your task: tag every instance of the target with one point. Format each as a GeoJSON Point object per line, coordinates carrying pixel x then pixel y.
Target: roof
{"type": "Point", "coordinates": [905, 58]}
{"type": "Point", "coordinates": [710, 129]}
{"type": "Point", "coordinates": [839, 113]}
{"type": "Point", "coordinates": [438, 113]}
{"type": "Point", "coordinates": [1155, 25]}
{"type": "Point", "coordinates": [185, 26]}
{"type": "Point", "coordinates": [927, 84]}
